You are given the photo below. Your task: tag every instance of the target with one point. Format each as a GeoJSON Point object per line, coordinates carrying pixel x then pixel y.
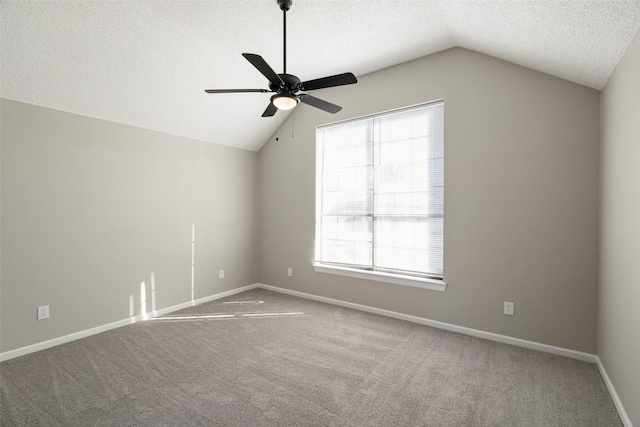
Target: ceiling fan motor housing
{"type": "Point", "coordinates": [290, 84]}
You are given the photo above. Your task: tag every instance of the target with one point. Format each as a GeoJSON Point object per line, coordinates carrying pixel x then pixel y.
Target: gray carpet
{"type": "Point", "coordinates": [265, 359]}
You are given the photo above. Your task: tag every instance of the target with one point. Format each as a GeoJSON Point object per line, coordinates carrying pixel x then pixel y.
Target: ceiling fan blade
{"type": "Point", "coordinates": [270, 111]}
{"type": "Point", "coordinates": [263, 67]}
{"type": "Point", "coordinates": [321, 83]}
{"type": "Point", "coordinates": [235, 90]}
{"type": "Point", "coordinates": [319, 103]}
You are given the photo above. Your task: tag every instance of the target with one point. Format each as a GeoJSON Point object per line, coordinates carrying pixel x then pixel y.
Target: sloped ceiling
{"type": "Point", "coordinates": [147, 63]}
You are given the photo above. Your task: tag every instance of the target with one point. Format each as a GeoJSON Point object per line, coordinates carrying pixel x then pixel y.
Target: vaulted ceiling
{"type": "Point", "coordinates": [147, 63]}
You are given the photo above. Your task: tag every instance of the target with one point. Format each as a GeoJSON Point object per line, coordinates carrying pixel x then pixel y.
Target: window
{"type": "Point", "coordinates": [380, 196]}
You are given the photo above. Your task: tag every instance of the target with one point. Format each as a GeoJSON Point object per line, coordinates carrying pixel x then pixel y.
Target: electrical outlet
{"type": "Point", "coordinates": [221, 274]}
{"type": "Point", "coordinates": [290, 272]}
{"type": "Point", "coordinates": [508, 308]}
{"type": "Point", "coordinates": [43, 312]}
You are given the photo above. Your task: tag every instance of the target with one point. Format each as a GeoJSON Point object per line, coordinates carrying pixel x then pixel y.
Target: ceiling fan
{"type": "Point", "coordinates": [288, 89]}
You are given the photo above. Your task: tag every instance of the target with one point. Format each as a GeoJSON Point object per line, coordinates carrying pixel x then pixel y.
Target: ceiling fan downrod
{"type": "Point", "coordinates": [285, 5]}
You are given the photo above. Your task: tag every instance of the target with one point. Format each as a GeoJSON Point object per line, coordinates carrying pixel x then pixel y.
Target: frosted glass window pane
{"type": "Point", "coordinates": [347, 240]}
{"type": "Point", "coordinates": [409, 244]}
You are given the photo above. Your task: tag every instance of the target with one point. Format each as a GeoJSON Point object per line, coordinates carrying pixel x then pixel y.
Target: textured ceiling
{"type": "Point", "coordinates": [147, 63]}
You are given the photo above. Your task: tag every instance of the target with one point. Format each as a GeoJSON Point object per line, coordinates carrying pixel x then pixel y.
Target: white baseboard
{"type": "Point", "coordinates": [573, 354]}
{"type": "Point", "coordinates": [586, 357]}
{"type": "Point", "coordinates": [201, 300]}
{"type": "Point", "coordinates": [11, 354]}
{"type": "Point", "coordinates": [626, 421]}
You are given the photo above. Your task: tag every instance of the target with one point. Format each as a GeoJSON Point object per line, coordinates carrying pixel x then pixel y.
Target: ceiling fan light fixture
{"type": "Point", "coordinates": [284, 101]}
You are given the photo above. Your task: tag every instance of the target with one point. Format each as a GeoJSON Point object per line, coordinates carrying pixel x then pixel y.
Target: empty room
{"type": "Point", "coordinates": [320, 213]}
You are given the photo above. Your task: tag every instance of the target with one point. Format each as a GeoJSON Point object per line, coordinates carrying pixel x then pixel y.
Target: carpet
{"type": "Point", "coordinates": [261, 358]}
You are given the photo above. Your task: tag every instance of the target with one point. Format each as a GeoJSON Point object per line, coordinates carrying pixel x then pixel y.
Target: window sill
{"type": "Point", "coordinates": [396, 279]}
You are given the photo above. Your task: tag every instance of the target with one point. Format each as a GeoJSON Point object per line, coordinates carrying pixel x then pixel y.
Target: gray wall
{"type": "Point", "coordinates": [619, 302]}
{"type": "Point", "coordinates": [521, 198]}
{"type": "Point", "coordinates": [92, 209]}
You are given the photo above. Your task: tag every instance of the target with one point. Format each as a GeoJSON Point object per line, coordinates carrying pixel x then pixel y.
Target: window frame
{"type": "Point", "coordinates": [423, 281]}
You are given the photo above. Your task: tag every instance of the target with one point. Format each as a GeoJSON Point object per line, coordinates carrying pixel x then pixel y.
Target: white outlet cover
{"type": "Point", "coordinates": [290, 272]}
{"type": "Point", "coordinates": [509, 308]}
{"type": "Point", "coordinates": [221, 274]}
{"type": "Point", "coordinates": [43, 312]}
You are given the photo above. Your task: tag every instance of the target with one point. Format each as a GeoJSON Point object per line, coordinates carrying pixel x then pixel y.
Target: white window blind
{"type": "Point", "coordinates": [380, 192]}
